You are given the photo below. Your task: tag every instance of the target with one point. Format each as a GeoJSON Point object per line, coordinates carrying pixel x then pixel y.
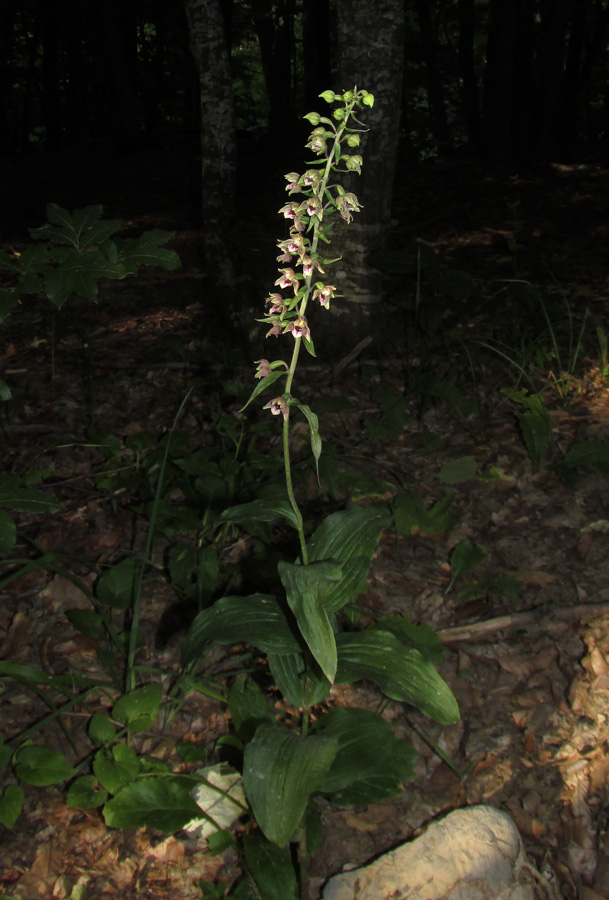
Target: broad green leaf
{"type": "Point", "coordinates": [537, 436]}
{"type": "Point", "coordinates": [117, 768]}
{"type": "Point", "coordinates": [350, 538]}
{"type": "Point", "coordinates": [80, 229]}
{"type": "Point", "coordinates": [5, 754]}
{"type": "Point", "coordinates": [367, 747]}
{"type": "Point", "coordinates": [25, 499]}
{"type": "Point", "coordinates": [60, 227]}
{"type": "Point", "coordinates": [306, 588]}
{"type": "Point", "coordinates": [79, 274]}
{"type": "Point", "coordinates": [314, 829]}
{"type": "Point", "coordinates": [11, 804]}
{"type": "Point", "coordinates": [8, 533]}
{"type": "Point", "coordinates": [280, 770]}
{"type": "Point", "coordinates": [421, 637]}
{"type": "Point", "coordinates": [588, 453]}
{"type": "Point", "coordinates": [207, 572]}
{"type": "Point", "coordinates": [116, 586]}
{"type": "Point", "coordinates": [401, 673]}
{"type": "Point", "coordinates": [23, 673]}
{"type": "Point", "coordinates": [362, 737]}
{"type": "Point", "coordinates": [458, 470]}
{"type": "Point", "coordinates": [300, 686]}
{"type": "Point", "coordinates": [84, 795]}
{"type": "Point", "coordinates": [5, 391]}
{"type": "Point", "coordinates": [140, 707]}
{"type": "Point", "coordinates": [247, 707]}
{"type": "Point", "coordinates": [410, 515]}
{"type": "Point", "coordinates": [40, 766]}
{"type": "Point", "coordinates": [101, 729]}
{"type": "Point", "coordinates": [464, 558]}
{"type": "Point", "coordinates": [26, 264]}
{"type": "Point", "coordinates": [191, 752]}
{"type": "Point", "coordinates": [87, 621]}
{"type": "Point", "coordinates": [148, 250]}
{"type": "Point", "coordinates": [271, 867]}
{"type": "Point", "coordinates": [96, 235]}
{"type": "Point", "coordinates": [161, 803]}
{"type": "Point", "coordinates": [218, 843]}
{"type": "Point", "coordinates": [267, 509]}
{"type": "Point", "coordinates": [257, 619]}
{"type": "Point", "coordinates": [383, 783]}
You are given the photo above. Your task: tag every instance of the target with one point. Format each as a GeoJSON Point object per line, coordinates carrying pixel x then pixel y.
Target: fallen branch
{"type": "Point", "coordinates": [542, 616]}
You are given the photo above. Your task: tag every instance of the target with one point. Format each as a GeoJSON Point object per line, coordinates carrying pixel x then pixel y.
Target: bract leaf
{"type": "Point", "coordinates": [262, 385]}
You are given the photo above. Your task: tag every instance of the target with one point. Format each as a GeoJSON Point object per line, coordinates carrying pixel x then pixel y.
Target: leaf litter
{"type": "Point", "coordinates": [529, 667]}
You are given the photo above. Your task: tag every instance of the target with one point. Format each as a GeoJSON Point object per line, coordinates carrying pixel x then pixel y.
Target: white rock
{"type": "Point", "coordinates": [473, 854]}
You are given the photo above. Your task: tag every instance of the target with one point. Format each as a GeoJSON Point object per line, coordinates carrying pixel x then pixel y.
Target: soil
{"type": "Point", "coordinates": [527, 656]}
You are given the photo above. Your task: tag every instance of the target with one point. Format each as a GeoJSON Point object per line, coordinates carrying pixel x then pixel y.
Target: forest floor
{"type": "Point", "coordinates": [526, 633]}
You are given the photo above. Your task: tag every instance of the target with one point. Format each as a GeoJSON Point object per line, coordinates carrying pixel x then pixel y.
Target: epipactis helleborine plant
{"type": "Point", "coordinates": [331, 141]}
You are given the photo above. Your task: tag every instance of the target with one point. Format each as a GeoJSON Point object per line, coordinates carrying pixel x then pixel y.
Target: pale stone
{"type": "Point", "coordinates": [472, 854]}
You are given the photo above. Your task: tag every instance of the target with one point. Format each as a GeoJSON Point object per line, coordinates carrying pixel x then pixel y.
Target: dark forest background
{"type": "Point", "coordinates": [521, 80]}
{"type": "Point", "coordinates": [211, 93]}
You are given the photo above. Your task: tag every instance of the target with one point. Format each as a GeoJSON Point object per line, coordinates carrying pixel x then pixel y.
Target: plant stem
{"type": "Point", "coordinates": [320, 192]}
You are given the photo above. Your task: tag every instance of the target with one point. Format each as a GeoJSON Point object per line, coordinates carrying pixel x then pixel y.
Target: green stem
{"type": "Point", "coordinates": [321, 189]}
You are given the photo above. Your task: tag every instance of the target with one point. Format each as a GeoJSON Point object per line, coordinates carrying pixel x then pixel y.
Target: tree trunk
{"type": "Point", "coordinates": [218, 144]}
{"type": "Point", "coordinates": [554, 16]}
{"type": "Point", "coordinates": [509, 88]}
{"type": "Point", "coordinates": [435, 89]}
{"type": "Point", "coordinates": [115, 70]}
{"type": "Point", "coordinates": [316, 50]}
{"type": "Point", "coordinates": [274, 24]}
{"type": "Point", "coordinates": [371, 56]}
{"type": "Point", "coordinates": [8, 143]}
{"type": "Point", "coordinates": [467, 72]}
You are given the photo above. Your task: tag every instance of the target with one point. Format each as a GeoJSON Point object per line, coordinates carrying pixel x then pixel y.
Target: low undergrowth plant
{"type": "Point", "coordinates": [294, 744]}
{"type": "Point", "coordinates": [75, 251]}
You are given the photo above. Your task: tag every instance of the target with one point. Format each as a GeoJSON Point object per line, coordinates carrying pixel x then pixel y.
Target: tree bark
{"type": "Point", "coordinates": [317, 52]}
{"type": "Point", "coordinates": [435, 89]}
{"type": "Point", "coordinates": [218, 143]}
{"type": "Point", "coordinates": [467, 72]}
{"type": "Point", "coordinates": [371, 56]}
{"type": "Point", "coordinates": [509, 88]}
{"type": "Point", "coordinates": [274, 24]}
{"type": "Point", "coordinates": [554, 17]}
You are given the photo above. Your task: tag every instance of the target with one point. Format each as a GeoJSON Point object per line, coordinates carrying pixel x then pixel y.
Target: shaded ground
{"type": "Point", "coordinates": [533, 691]}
